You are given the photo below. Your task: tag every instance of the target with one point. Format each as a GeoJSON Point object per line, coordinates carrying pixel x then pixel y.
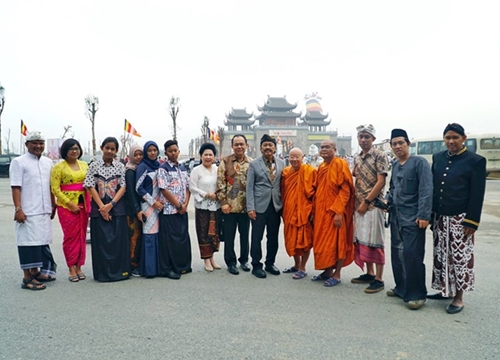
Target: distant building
{"type": "Point", "coordinates": [279, 118]}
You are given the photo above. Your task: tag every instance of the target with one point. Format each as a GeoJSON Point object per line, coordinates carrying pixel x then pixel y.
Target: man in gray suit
{"type": "Point", "coordinates": [264, 205]}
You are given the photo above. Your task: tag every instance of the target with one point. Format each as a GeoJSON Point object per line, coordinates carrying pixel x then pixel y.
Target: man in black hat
{"type": "Point", "coordinates": [410, 193]}
{"type": "Point", "coordinates": [264, 205]}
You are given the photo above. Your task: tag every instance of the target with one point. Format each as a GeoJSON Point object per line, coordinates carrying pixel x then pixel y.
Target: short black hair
{"type": "Point", "coordinates": [169, 143]}
{"type": "Point", "coordinates": [111, 139]}
{"type": "Point", "coordinates": [239, 135]}
{"type": "Point", "coordinates": [68, 144]}
{"type": "Point", "coordinates": [207, 146]}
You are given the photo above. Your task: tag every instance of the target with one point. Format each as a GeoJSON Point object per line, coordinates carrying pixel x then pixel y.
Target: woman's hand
{"type": "Point", "coordinates": [75, 209]}
{"type": "Point", "coordinates": [158, 205]}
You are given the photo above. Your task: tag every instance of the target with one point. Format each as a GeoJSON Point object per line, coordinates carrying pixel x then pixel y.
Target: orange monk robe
{"type": "Point", "coordinates": [297, 191]}
{"type": "Point", "coordinates": [334, 195]}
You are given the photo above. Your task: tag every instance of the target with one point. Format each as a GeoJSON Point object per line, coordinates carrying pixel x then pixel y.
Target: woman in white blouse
{"type": "Point", "coordinates": [202, 186]}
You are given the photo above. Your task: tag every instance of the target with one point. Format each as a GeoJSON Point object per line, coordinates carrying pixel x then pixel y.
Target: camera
{"type": "Point", "coordinates": [382, 205]}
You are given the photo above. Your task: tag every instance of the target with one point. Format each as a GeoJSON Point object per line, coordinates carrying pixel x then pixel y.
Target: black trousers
{"type": "Point", "coordinates": [407, 257]}
{"type": "Point", "coordinates": [269, 220]}
{"type": "Point", "coordinates": [230, 223]}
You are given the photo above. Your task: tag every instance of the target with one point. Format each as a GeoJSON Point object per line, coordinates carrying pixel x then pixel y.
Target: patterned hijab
{"type": "Point", "coordinates": [150, 165]}
{"type": "Point", "coordinates": [131, 164]}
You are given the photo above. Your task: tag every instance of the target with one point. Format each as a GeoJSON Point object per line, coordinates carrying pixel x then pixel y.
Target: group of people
{"type": "Point", "coordinates": [139, 221]}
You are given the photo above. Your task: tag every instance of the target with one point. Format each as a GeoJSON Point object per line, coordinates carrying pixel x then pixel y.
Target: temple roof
{"type": "Point", "coordinates": [281, 114]}
{"type": "Point", "coordinates": [239, 114]}
{"type": "Point", "coordinates": [277, 104]}
{"type": "Point", "coordinates": [244, 122]}
{"type": "Point", "coordinates": [314, 115]}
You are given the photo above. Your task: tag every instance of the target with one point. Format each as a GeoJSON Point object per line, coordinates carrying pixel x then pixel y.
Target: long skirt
{"type": "Point", "coordinates": [207, 231]}
{"type": "Point", "coordinates": [150, 264]}
{"type": "Point", "coordinates": [110, 249]}
{"type": "Point", "coordinates": [74, 227]}
{"type": "Point", "coordinates": [453, 256]}
{"type": "Point", "coordinates": [38, 256]}
{"type": "Point", "coordinates": [135, 238]}
{"type": "Point", "coordinates": [174, 244]}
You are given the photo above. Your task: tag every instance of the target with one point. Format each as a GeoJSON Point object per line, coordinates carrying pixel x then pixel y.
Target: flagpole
{"type": "Point", "coordinates": [123, 143]}
{"type": "Point", "coordinates": [21, 139]}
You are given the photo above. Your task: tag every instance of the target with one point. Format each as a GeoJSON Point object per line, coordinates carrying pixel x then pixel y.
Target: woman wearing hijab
{"type": "Point", "coordinates": [203, 185]}
{"type": "Point", "coordinates": [459, 186]}
{"type": "Point", "coordinates": [148, 190]}
{"type": "Point", "coordinates": [133, 208]}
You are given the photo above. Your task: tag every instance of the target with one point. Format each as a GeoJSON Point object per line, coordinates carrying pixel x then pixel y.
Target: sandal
{"type": "Point", "coordinates": [320, 277]}
{"type": "Point", "coordinates": [74, 278]}
{"type": "Point", "coordinates": [290, 270]}
{"type": "Point", "coordinates": [32, 284]}
{"type": "Point", "coordinates": [332, 282]}
{"type": "Point", "coordinates": [299, 275]}
{"type": "Point", "coordinates": [38, 277]}
{"type": "Point", "coordinates": [81, 276]}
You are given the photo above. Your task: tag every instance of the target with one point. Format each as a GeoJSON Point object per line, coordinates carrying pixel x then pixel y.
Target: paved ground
{"type": "Point", "coordinates": [222, 316]}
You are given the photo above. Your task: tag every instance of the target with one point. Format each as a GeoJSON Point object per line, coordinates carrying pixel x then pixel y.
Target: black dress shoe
{"type": "Point", "coordinates": [453, 309]}
{"type": "Point", "coordinates": [173, 275]}
{"type": "Point", "coordinates": [271, 269]}
{"type": "Point", "coordinates": [245, 267]}
{"type": "Point", "coordinates": [436, 296]}
{"type": "Point", "coordinates": [259, 273]}
{"type": "Point", "coordinates": [233, 269]}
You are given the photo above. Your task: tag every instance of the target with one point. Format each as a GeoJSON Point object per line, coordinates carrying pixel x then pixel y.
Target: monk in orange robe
{"type": "Point", "coordinates": [333, 216]}
{"type": "Point", "coordinates": [297, 190]}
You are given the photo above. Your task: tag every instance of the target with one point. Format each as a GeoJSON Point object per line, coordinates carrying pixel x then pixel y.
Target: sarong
{"type": "Point", "coordinates": [174, 244]}
{"type": "Point", "coordinates": [135, 238]}
{"type": "Point", "coordinates": [370, 233]}
{"type": "Point", "coordinates": [40, 256]}
{"type": "Point", "coordinates": [74, 227]}
{"type": "Point", "coordinates": [36, 230]}
{"type": "Point", "coordinates": [453, 256]}
{"type": "Point", "coordinates": [207, 231]}
{"type": "Point", "coordinates": [110, 249]}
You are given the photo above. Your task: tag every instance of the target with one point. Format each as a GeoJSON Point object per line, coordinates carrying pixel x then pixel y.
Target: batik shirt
{"type": "Point", "coordinates": [366, 169]}
{"type": "Point", "coordinates": [174, 178]}
{"type": "Point", "coordinates": [232, 183]}
{"type": "Point", "coordinates": [107, 180]}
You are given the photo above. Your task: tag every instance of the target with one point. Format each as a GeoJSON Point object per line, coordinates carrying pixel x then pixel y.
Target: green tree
{"type": "Point", "coordinates": [91, 107]}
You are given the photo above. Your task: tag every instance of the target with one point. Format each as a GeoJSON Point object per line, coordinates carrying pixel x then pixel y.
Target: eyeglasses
{"type": "Point", "coordinates": [74, 149]}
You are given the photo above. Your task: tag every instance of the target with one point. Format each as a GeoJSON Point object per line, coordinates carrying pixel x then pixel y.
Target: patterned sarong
{"type": "Point", "coordinates": [453, 256]}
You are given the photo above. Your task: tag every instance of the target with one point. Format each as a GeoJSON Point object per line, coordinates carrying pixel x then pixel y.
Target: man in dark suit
{"type": "Point", "coordinates": [264, 205]}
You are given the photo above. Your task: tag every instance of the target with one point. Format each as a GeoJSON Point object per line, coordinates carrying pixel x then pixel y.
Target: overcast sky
{"type": "Point", "coordinates": [417, 65]}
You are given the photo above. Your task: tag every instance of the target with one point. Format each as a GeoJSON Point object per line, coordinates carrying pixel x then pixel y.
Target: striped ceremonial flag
{"type": "Point", "coordinates": [209, 133]}
{"type": "Point", "coordinates": [130, 129]}
{"type": "Point", "coordinates": [313, 105]}
{"type": "Point", "coordinates": [24, 128]}
{"type": "Point", "coordinates": [212, 134]}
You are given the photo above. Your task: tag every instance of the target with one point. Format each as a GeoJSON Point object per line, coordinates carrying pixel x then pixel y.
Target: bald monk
{"type": "Point", "coordinates": [297, 191]}
{"type": "Point", "coordinates": [333, 216]}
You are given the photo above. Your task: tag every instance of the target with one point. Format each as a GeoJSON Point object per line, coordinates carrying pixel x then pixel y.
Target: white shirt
{"type": "Point", "coordinates": [204, 181]}
{"type": "Point", "coordinates": [32, 174]}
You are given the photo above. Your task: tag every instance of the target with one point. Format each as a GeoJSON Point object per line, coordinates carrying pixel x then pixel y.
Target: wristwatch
{"type": "Point", "coordinates": [367, 202]}
{"type": "Point", "coordinates": [113, 203]}
{"type": "Point", "coordinates": [178, 208]}
{"type": "Point", "coordinates": [17, 208]}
